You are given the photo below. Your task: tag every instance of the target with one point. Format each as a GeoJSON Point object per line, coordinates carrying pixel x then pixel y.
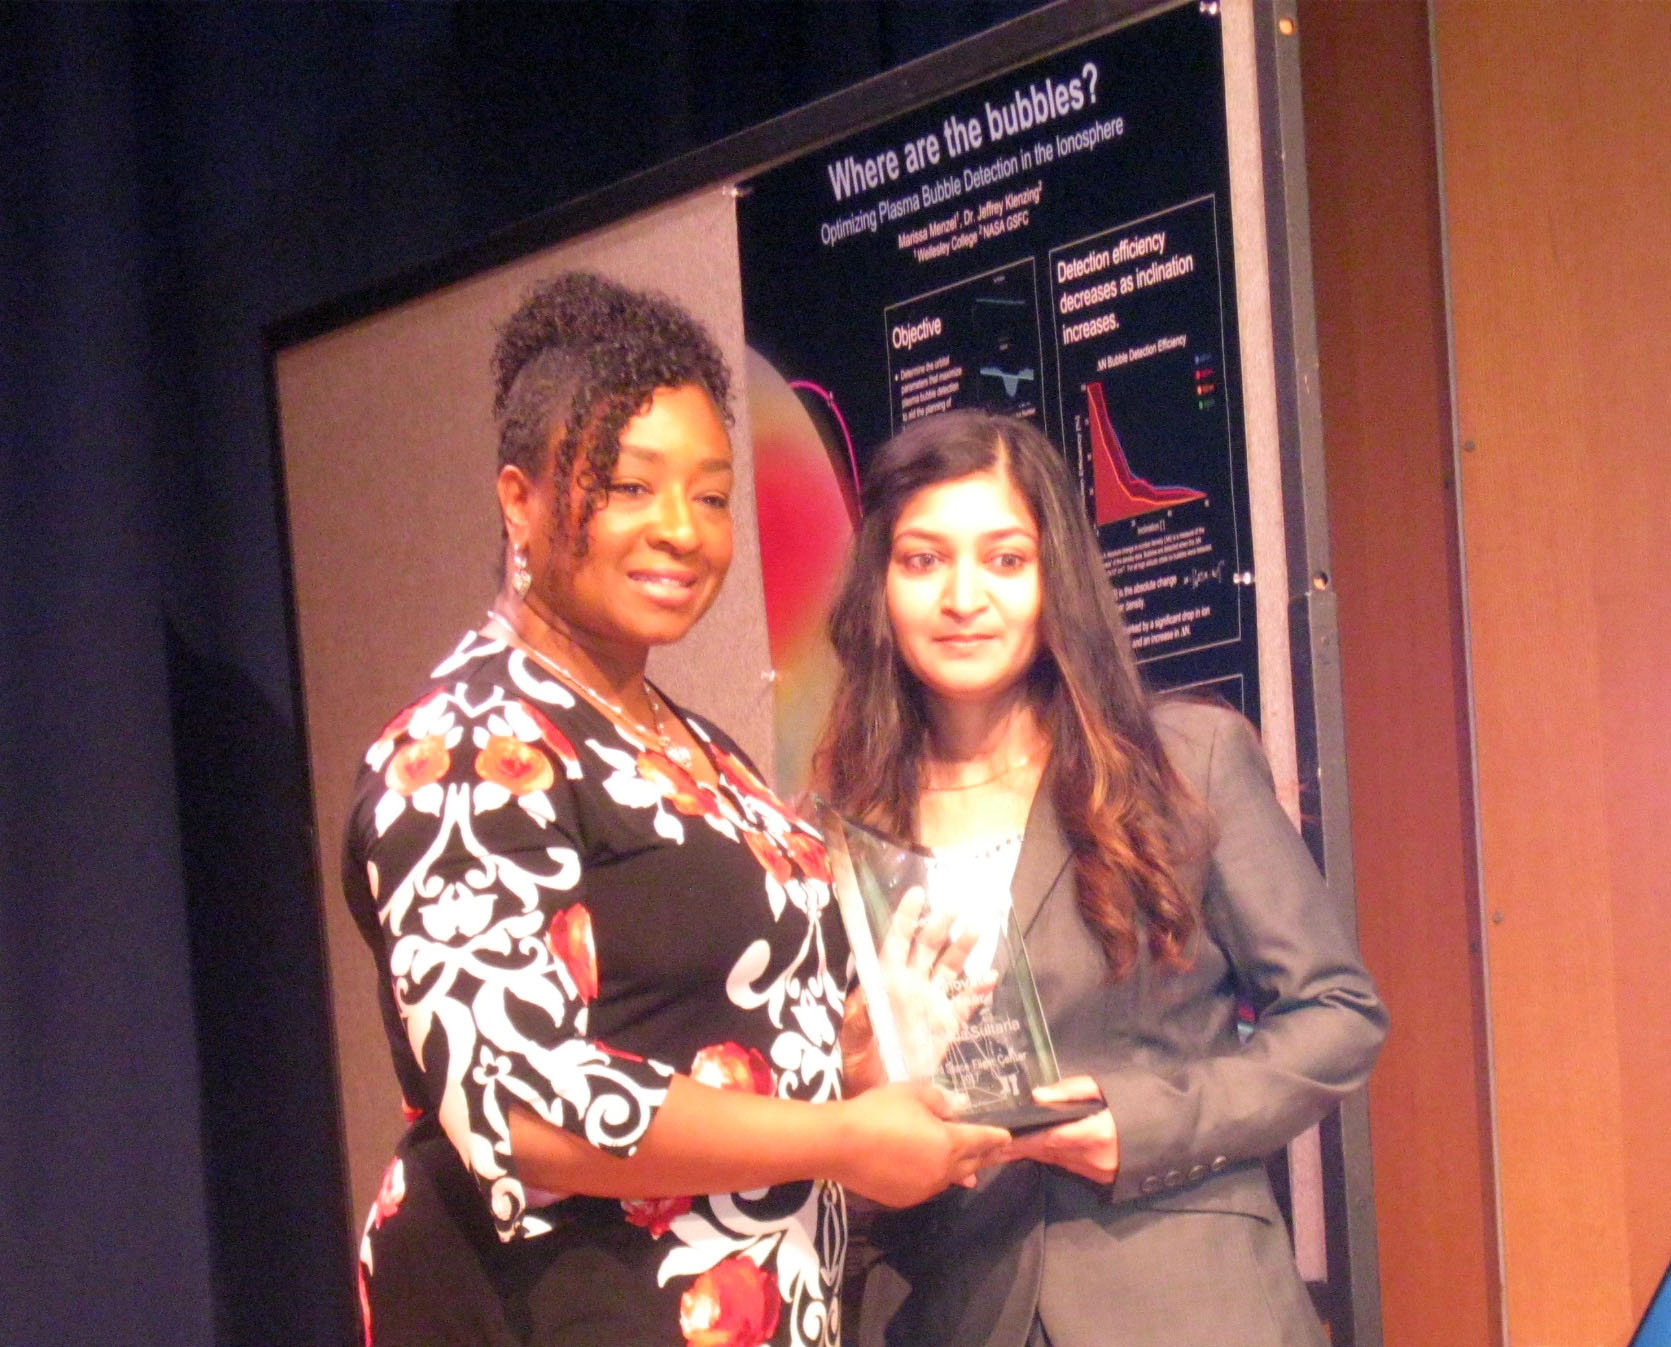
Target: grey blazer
{"type": "Point", "coordinates": [1187, 1247]}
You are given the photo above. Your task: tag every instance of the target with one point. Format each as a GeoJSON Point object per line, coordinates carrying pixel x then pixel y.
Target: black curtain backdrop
{"type": "Point", "coordinates": [175, 178]}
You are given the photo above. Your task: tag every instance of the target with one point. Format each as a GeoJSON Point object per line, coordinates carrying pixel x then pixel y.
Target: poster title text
{"type": "Point", "coordinates": [1026, 109]}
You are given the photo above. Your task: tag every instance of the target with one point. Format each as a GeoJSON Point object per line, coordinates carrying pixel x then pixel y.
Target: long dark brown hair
{"type": "Point", "coordinates": [1129, 818]}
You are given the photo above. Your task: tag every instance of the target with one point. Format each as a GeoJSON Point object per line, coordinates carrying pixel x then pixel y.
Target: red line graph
{"type": "Point", "coordinates": [1121, 493]}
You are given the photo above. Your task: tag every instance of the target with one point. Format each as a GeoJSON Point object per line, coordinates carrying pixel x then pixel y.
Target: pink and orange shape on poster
{"type": "Point", "coordinates": [806, 501]}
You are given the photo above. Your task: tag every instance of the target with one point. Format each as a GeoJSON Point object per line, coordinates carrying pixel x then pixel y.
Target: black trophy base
{"type": "Point", "coordinates": [1022, 1115]}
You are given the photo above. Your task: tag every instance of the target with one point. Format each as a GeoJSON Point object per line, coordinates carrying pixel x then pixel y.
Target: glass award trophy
{"type": "Point", "coordinates": [979, 1035]}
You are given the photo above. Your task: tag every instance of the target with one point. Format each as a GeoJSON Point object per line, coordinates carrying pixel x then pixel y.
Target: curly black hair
{"type": "Point", "coordinates": [584, 355]}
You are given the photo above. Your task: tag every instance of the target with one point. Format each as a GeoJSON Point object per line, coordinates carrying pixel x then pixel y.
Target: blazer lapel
{"type": "Point", "coordinates": [1044, 855]}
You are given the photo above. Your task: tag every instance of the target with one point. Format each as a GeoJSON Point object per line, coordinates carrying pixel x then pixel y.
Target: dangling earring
{"type": "Point", "coordinates": [521, 578]}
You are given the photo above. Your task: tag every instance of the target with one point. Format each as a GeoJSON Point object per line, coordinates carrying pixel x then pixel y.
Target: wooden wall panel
{"type": "Point", "coordinates": [1555, 124]}
{"type": "Point", "coordinates": [1376, 252]}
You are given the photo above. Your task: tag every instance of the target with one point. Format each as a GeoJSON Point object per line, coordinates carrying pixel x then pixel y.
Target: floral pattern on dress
{"type": "Point", "coordinates": [655, 1214]}
{"type": "Point", "coordinates": [570, 938]}
{"type": "Point", "coordinates": [390, 1194]}
{"type": "Point", "coordinates": [481, 822]}
{"type": "Point", "coordinates": [732, 1304]}
{"type": "Point", "coordinates": [730, 1066]}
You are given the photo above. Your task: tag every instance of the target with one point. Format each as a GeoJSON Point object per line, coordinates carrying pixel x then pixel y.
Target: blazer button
{"type": "Point", "coordinates": [1197, 1173]}
{"type": "Point", "coordinates": [1219, 1162]}
{"type": "Point", "coordinates": [1173, 1178]}
{"type": "Point", "coordinates": [1150, 1185]}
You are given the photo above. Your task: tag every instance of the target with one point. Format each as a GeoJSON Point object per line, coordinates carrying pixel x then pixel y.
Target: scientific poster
{"type": "Point", "coordinates": [1054, 243]}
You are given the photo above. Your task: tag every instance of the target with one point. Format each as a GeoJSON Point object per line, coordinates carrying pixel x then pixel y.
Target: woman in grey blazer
{"type": "Point", "coordinates": [990, 710]}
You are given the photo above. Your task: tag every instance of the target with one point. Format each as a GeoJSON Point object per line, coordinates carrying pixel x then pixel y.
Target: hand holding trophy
{"type": "Point", "coordinates": [931, 994]}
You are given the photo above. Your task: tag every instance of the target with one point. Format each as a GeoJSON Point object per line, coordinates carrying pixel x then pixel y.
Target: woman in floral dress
{"type": "Point", "coordinates": [610, 968]}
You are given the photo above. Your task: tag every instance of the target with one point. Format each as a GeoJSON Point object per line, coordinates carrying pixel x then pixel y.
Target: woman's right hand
{"type": "Point", "coordinates": [901, 1148]}
{"type": "Point", "coordinates": [923, 959]}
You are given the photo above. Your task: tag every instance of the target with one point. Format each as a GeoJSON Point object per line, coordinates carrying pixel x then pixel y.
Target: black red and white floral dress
{"type": "Point", "coordinates": [562, 918]}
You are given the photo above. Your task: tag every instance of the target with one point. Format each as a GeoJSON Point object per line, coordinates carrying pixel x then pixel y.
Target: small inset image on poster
{"type": "Point", "coordinates": [974, 343]}
{"type": "Point", "coordinates": [1140, 351]}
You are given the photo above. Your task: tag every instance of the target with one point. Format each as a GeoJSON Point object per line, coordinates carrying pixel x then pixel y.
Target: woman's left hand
{"type": "Point", "coordinates": [931, 998]}
{"type": "Point", "coordinates": [1088, 1147]}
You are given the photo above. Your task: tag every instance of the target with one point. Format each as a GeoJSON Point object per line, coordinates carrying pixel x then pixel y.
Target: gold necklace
{"type": "Point", "coordinates": [1015, 766]}
{"type": "Point", "coordinates": [678, 752]}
